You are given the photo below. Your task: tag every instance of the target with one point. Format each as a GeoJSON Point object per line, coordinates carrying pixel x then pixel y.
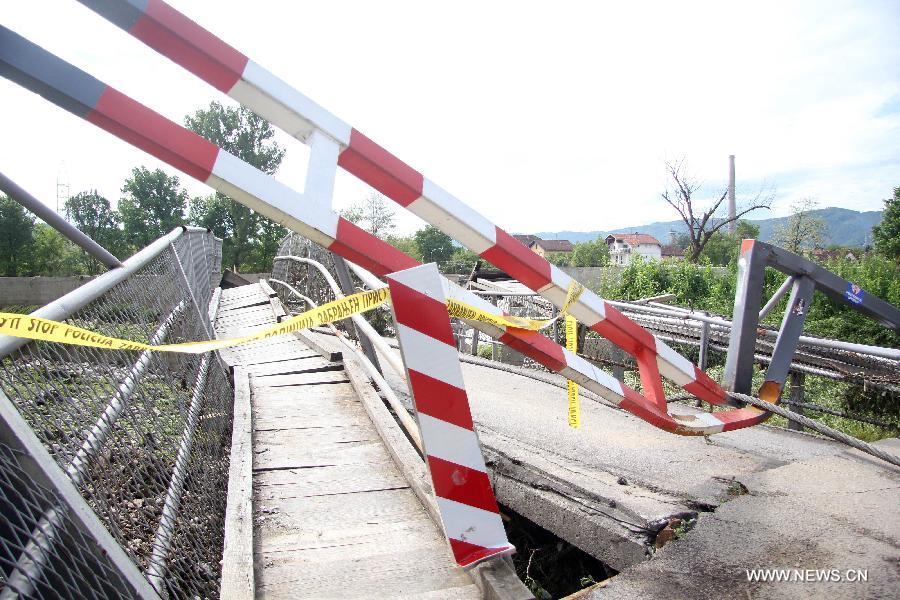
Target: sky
{"type": "Point", "coordinates": [541, 116]}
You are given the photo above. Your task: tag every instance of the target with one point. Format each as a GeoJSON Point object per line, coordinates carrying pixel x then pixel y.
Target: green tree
{"type": "Point", "coordinates": [16, 227]}
{"type": "Point", "coordinates": [248, 238]}
{"type": "Point", "coordinates": [723, 248]}
{"type": "Point", "coordinates": [372, 214]}
{"type": "Point", "coordinates": [590, 254]}
{"type": "Point", "coordinates": [434, 245]}
{"type": "Point", "coordinates": [560, 259]}
{"type": "Point", "coordinates": [54, 255]}
{"type": "Point", "coordinates": [212, 212]}
{"type": "Point", "coordinates": [91, 213]}
{"type": "Point", "coordinates": [462, 261]}
{"type": "Point", "coordinates": [153, 204]}
{"type": "Point", "coordinates": [887, 233]}
{"type": "Point", "coordinates": [802, 230]}
{"type": "Point", "coordinates": [405, 244]}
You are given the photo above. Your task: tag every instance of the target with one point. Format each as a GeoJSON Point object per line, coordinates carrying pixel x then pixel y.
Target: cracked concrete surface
{"type": "Point", "coordinates": [811, 503]}
{"type": "Point", "coordinates": [835, 512]}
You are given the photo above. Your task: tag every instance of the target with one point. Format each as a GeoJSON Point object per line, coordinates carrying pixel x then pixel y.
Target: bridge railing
{"type": "Point", "coordinates": [138, 438]}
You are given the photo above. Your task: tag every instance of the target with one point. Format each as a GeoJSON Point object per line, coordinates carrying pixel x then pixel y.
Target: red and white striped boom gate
{"type": "Point", "coordinates": [453, 454]}
{"type": "Point", "coordinates": [334, 143]}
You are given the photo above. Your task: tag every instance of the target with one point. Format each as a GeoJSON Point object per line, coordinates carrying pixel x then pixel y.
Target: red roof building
{"type": "Point", "coordinates": [622, 246]}
{"type": "Point", "coordinates": [545, 247]}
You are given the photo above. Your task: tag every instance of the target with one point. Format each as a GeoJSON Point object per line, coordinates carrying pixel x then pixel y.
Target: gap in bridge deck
{"type": "Point", "coordinates": [550, 566]}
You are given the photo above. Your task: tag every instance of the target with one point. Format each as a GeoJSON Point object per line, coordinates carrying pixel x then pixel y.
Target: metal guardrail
{"type": "Point", "coordinates": [142, 437]}
{"type": "Point", "coordinates": [873, 366]}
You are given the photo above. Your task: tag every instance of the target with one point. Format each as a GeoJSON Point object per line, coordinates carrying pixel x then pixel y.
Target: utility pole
{"type": "Point", "coordinates": [62, 187]}
{"type": "Point", "coordinates": [732, 207]}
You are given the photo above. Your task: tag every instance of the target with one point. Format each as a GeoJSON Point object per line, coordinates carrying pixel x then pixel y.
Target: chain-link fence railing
{"type": "Point", "coordinates": [143, 436]}
{"type": "Point", "coordinates": [309, 281]}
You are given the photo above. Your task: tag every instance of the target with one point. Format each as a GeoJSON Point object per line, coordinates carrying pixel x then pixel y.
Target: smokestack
{"type": "Point", "coordinates": [732, 207]}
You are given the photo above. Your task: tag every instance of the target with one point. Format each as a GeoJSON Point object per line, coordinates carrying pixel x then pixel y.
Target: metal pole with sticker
{"type": "Point", "coordinates": [804, 277]}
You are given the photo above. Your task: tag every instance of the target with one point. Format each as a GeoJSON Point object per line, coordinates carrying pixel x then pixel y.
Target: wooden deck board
{"type": "Point", "coordinates": [333, 515]}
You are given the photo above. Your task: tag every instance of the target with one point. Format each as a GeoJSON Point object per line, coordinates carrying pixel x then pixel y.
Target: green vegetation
{"type": "Point", "coordinates": [585, 254]}
{"type": "Point", "coordinates": [887, 233]}
{"type": "Point", "coordinates": [53, 255]}
{"type": "Point", "coordinates": [703, 288]}
{"type": "Point", "coordinates": [803, 229]}
{"type": "Point", "coordinates": [372, 214]}
{"type": "Point", "coordinates": [16, 228]}
{"type": "Point", "coordinates": [92, 213]}
{"type": "Point", "coordinates": [153, 204]}
{"type": "Point", "coordinates": [434, 245]}
{"type": "Point", "coordinates": [723, 248]}
{"type": "Point", "coordinates": [250, 239]}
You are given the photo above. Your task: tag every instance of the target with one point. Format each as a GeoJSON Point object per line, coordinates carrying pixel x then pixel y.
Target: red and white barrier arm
{"type": "Point", "coordinates": [76, 91]}
{"type": "Point", "coordinates": [185, 42]}
{"type": "Point", "coordinates": [453, 453]}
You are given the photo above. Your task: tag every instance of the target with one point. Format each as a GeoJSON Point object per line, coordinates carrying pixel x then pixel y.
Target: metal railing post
{"type": "Point", "coordinates": [747, 298]}
{"type": "Point", "coordinates": [798, 384]}
{"type": "Point", "coordinates": [343, 276]}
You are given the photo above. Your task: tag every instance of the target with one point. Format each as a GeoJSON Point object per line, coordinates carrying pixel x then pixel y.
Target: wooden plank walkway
{"type": "Point", "coordinates": [333, 517]}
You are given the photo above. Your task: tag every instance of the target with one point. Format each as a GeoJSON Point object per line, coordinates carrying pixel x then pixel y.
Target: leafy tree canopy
{"type": "Point", "coordinates": [54, 255]}
{"type": "Point", "coordinates": [405, 244]}
{"type": "Point", "coordinates": [591, 254]}
{"type": "Point", "coordinates": [250, 240]}
{"type": "Point", "coordinates": [153, 204]}
{"type": "Point", "coordinates": [372, 214]}
{"type": "Point", "coordinates": [434, 245]}
{"type": "Point", "coordinates": [723, 248]}
{"type": "Point", "coordinates": [802, 230]}
{"type": "Point", "coordinates": [887, 233]}
{"type": "Point", "coordinates": [584, 254]}
{"type": "Point", "coordinates": [91, 213]}
{"type": "Point", "coordinates": [16, 227]}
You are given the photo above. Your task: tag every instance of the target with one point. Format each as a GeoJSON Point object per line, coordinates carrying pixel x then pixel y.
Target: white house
{"type": "Point", "coordinates": [622, 246]}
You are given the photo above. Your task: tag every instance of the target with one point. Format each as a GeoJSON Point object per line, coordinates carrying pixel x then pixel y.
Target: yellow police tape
{"type": "Point", "coordinates": [37, 328]}
{"type": "Point", "coordinates": [572, 346]}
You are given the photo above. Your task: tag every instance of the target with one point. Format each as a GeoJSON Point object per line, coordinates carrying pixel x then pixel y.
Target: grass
{"type": "Point", "coordinates": [19, 309]}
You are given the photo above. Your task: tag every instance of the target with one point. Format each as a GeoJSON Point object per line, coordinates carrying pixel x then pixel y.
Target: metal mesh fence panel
{"type": "Point", "coordinates": [143, 436]}
{"type": "Point", "coordinates": [308, 280]}
{"type": "Point", "coordinates": [80, 568]}
{"type": "Point", "coordinates": [301, 276]}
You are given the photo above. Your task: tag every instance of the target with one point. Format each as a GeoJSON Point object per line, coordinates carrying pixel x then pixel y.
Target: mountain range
{"type": "Point", "coordinates": [843, 227]}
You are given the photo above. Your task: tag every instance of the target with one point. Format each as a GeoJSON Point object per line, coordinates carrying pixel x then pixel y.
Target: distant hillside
{"type": "Point", "coordinates": [843, 227]}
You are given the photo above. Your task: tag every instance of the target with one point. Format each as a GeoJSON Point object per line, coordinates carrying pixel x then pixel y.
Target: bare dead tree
{"type": "Point", "coordinates": [702, 225]}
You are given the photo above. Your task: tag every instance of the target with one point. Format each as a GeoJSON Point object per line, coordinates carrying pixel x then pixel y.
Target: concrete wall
{"type": "Point", "coordinates": [593, 276]}
{"type": "Point", "coordinates": [37, 291]}
{"type": "Point", "coordinates": [255, 277]}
